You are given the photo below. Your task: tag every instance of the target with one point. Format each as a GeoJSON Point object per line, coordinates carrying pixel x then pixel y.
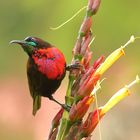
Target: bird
{"type": "Point", "coordinates": [46, 68]}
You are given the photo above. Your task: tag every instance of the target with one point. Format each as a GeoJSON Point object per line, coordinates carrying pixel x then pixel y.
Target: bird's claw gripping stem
{"type": "Point", "coordinates": [76, 65]}
{"type": "Point", "coordinates": [66, 107]}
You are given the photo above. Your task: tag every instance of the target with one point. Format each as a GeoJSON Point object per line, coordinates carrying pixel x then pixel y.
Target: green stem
{"type": "Point", "coordinates": [69, 99]}
{"type": "Point", "coordinates": [65, 123]}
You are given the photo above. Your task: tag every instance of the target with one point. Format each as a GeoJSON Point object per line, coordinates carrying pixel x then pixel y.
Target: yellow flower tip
{"type": "Point", "coordinates": [137, 80]}
{"type": "Point", "coordinates": [137, 37]}
{"type": "Point", "coordinates": [132, 39]}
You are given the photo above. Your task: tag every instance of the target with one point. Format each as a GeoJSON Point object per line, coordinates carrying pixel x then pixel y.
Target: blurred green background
{"type": "Point", "coordinates": [115, 22]}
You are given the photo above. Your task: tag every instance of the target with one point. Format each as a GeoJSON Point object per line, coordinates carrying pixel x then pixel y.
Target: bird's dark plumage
{"type": "Point", "coordinates": [46, 68]}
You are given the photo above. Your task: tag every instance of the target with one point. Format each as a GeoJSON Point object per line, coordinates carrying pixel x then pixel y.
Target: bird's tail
{"type": "Point", "coordinates": [36, 104]}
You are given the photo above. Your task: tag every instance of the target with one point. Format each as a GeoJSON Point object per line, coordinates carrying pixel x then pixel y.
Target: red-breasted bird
{"type": "Point", "coordinates": [46, 69]}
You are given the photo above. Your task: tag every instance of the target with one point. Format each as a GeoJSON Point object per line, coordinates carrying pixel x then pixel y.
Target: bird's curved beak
{"type": "Point", "coordinates": [20, 42]}
{"type": "Point", "coordinates": [26, 47]}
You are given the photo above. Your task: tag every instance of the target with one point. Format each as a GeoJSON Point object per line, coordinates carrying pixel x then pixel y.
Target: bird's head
{"type": "Point", "coordinates": [31, 44]}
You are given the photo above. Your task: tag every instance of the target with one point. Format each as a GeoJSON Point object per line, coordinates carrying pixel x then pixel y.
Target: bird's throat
{"type": "Point", "coordinates": [28, 49]}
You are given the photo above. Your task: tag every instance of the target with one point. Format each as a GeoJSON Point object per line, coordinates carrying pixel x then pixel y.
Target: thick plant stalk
{"type": "Point", "coordinates": [79, 54]}
{"type": "Point", "coordinates": [83, 84]}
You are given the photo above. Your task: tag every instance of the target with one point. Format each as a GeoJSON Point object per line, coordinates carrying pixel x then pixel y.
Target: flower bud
{"type": "Point", "coordinates": [72, 132]}
{"type": "Point", "coordinates": [53, 135]}
{"type": "Point", "coordinates": [98, 62]}
{"type": "Point", "coordinates": [79, 110]}
{"type": "Point", "coordinates": [85, 27]}
{"type": "Point", "coordinates": [90, 3]}
{"type": "Point", "coordinates": [91, 122]}
{"type": "Point", "coordinates": [77, 47]}
{"type": "Point", "coordinates": [95, 6]}
{"type": "Point", "coordinates": [85, 45]}
{"type": "Point", "coordinates": [86, 59]}
{"type": "Point", "coordinates": [56, 120]}
{"type": "Point", "coordinates": [88, 87]}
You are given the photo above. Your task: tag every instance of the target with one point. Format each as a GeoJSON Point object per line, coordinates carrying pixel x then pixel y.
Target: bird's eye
{"type": "Point", "coordinates": [28, 39]}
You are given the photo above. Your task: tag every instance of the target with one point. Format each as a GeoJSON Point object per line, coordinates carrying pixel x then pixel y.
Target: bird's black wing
{"type": "Point", "coordinates": [33, 81]}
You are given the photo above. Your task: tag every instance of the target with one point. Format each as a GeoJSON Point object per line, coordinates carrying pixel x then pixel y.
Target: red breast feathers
{"type": "Point", "coordinates": [50, 62]}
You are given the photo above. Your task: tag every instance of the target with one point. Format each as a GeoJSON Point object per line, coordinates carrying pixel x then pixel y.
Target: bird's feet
{"type": "Point", "coordinates": [76, 65]}
{"type": "Point", "coordinates": [66, 107]}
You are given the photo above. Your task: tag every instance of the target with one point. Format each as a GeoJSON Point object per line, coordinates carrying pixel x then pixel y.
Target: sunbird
{"type": "Point", "coordinates": [46, 68]}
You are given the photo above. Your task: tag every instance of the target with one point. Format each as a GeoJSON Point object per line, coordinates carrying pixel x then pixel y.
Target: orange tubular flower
{"type": "Point", "coordinates": [55, 123]}
{"type": "Point", "coordinates": [117, 97]}
{"type": "Point", "coordinates": [85, 89]}
{"type": "Point", "coordinates": [97, 63]}
{"type": "Point", "coordinates": [94, 117]}
{"type": "Point", "coordinates": [91, 122]}
{"type": "Point", "coordinates": [88, 87]}
{"type": "Point", "coordinates": [56, 120]}
{"type": "Point", "coordinates": [79, 110]}
{"type": "Point", "coordinates": [89, 80]}
{"type": "Point", "coordinates": [112, 58]}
